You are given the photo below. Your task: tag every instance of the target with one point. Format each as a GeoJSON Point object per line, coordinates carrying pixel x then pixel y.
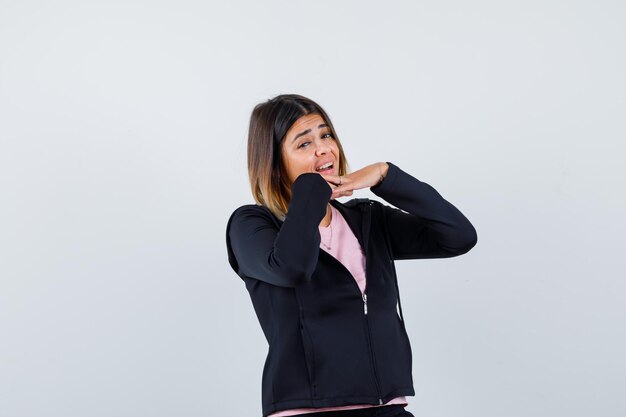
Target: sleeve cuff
{"type": "Point", "coordinates": [310, 194]}
{"type": "Point", "coordinates": [388, 181]}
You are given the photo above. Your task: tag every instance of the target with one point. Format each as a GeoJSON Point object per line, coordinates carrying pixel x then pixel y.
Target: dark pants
{"type": "Point", "coordinates": [393, 410]}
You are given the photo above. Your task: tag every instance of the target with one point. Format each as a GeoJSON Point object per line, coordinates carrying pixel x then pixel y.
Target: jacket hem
{"type": "Point", "coordinates": [335, 401]}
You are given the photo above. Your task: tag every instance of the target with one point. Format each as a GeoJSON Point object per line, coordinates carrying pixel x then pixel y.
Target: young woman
{"type": "Point", "coordinates": [321, 273]}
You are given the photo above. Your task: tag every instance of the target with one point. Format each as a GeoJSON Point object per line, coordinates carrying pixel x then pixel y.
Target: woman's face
{"type": "Point", "coordinates": [309, 144]}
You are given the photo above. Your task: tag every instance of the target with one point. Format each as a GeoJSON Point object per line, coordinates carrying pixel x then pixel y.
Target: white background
{"type": "Point", "coordinates": [123, 152]}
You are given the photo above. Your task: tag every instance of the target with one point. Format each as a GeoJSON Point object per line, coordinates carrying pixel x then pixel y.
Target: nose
{"type": "Point", "coordinates": [322, 148]}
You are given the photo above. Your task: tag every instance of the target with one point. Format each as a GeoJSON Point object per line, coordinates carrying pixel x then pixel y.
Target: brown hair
{"type": "Point", "coordinates": [269, 124]}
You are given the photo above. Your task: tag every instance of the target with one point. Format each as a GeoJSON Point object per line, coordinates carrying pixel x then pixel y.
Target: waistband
{"type": "Point", "coordinates": [391, 410]}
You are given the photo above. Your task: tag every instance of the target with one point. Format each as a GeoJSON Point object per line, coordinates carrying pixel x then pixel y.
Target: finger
{"type": "Point", "coordinates": [341, 192]}
{"type": "Point", "coordinates": [333, 178]}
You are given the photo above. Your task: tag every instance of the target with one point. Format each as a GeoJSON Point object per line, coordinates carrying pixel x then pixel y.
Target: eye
{"type": "Point", "coordinates": [302, 144]}
{"type": "Point", "coordinates": [329, 134]}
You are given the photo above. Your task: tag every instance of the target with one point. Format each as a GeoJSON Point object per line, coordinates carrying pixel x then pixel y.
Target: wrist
{"type": "Point", "coordinates": [383, 167]}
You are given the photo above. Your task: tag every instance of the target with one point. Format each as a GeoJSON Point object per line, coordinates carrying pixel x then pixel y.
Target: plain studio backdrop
{"type": "Point", "coordinates": [123, 152]}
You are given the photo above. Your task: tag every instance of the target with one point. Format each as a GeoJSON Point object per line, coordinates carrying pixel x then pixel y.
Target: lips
{"type": "Point", "coordinates": [327, 166]}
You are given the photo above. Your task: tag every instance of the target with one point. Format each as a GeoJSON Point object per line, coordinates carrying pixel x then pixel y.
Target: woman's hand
{"type": "Point", "coordinates": [363, 178]}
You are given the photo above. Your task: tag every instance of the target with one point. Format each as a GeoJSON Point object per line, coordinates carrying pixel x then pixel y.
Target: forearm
{"type": "Point", "coordinates": [447, 228]}
{"type": "Point", "coordinates": [284, 256]}
{"type": "Point", "coordinates": [297, 242]}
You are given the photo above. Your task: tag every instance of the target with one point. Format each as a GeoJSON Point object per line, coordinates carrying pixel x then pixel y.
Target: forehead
{"type": "Point", "coordinates": [308, 121]}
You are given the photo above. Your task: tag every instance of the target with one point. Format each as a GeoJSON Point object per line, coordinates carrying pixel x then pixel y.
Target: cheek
{"type": "Point", "coordinates": [292, 165]}
{"type": "Point", "coordinates": [336, 150]}
{"type": "Point", "coordinates": [287, 165]}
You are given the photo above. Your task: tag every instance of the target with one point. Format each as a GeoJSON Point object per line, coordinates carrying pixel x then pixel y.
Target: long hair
{"type": "Point", "coordinates": [269, 124]}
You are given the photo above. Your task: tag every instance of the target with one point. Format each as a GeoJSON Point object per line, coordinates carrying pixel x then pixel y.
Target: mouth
{"type": "Point", "coordinates": [327, 168]}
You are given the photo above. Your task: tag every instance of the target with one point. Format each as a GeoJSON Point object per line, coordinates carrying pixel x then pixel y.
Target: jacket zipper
{"type": "Point", "coordinates": [369, 341]}
{"type": "Point", "coordinates": [367, 213]}
{"type": "Point", "coordinates": [364, 298]}
{"type": "Point", "coordinates": [365, 303]}
{"type": "Point", "coordinates": [367, 325]}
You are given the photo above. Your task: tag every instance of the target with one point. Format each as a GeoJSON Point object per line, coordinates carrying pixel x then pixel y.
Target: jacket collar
{"type": "Point", "coordinates": [357, 214]}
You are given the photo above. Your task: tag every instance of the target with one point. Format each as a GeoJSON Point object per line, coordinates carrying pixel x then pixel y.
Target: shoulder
{"type": "Point", "coordinates": [375, 210]}
{"type": "Point", "coordinates": [356, 202]}
{"type": "Point", "coordinates": [249, 209]}
{"type": "Point", "coordinates": [364, 206]}
{"type": "Point", "coordinates": [361, 203]}
{"type": "Point", "coordinates": [255, 213]}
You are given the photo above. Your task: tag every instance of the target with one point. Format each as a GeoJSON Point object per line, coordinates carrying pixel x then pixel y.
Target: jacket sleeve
{"type": "Point", "coordinates": [285, 256]}
{"type": "Point", "coordinates": [424, 224]}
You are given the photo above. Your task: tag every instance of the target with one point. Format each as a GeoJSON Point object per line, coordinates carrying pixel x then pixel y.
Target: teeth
{"type": "Point", "coordinates": [328, 165]}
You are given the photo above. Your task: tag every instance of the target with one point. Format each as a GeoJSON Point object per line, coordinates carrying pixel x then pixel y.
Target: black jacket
{"type": "Point", "coordinates": [328, 344]}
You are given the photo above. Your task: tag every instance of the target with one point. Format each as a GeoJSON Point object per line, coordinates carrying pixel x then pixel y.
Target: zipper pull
{"type": "Point", "coordinates": [380, 401]}
{"type": "Point", "coordinates": [365, 303]}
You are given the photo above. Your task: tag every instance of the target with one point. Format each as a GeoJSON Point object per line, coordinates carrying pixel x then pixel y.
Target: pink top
{"type": "Point", "coordinates": [339, 241]}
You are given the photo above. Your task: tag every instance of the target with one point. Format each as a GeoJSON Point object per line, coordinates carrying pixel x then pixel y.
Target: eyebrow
{"type": "Point", "coordinates": [308, 131]}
